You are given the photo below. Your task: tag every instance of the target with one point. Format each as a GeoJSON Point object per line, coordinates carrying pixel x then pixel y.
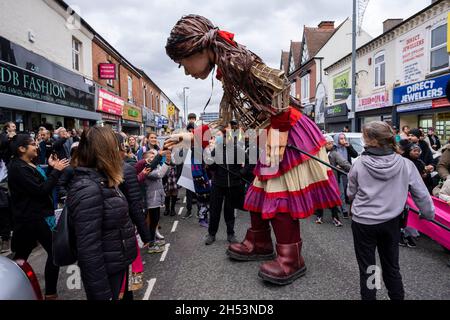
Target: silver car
{"type": "Point", "coordinates": [18, 281]}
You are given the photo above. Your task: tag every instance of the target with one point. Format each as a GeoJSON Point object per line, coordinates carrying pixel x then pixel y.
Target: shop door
{"type": "Point", "coordinates": [443, 127]}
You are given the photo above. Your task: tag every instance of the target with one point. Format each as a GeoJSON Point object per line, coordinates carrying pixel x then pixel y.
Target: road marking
{"type": "Point", "coordinates": [175, 224]}
{"type": "Point", "coordinates": [180, 211]}
{"type": "Point", "coordinates": [151, 284]}
{"type": "Point", "coordinates": [164, 254]}
{"type": "Point", "coordinates": [184, 200]}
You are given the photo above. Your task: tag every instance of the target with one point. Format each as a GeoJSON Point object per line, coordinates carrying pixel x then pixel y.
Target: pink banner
{"type": "Point", "coordinates": [110, 103]}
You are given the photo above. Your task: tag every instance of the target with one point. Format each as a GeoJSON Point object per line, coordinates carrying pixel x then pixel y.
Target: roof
{"type": "Point", "coordinates": [316, 38]}
{"type": "Point", "coordinates": [388, 31]}
{"type": "Point", "coordinates": [284, 61]}
{"type": "Point", "coordinates": [296, 52]}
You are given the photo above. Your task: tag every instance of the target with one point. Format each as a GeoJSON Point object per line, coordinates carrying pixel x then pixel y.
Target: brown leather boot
{"type": "Point", "coordinates": [256, 246]}
{"type": "Point", "coordinates": [287, 267]}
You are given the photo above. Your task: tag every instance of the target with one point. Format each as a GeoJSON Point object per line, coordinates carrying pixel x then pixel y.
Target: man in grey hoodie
{"type": "Point", "coordinates": [378, 187]}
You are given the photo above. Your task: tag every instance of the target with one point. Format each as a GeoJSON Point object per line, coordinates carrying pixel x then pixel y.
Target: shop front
{"type": "Point", "coordinates": [132, 119]}
{"type": "Point", "coordinates": [336, 117]}
{"type": "Point", "coordinates": [110, 106]}
{"type": "Point", "coordinates": [424, 104]}
{"type": "Point", "coordinates": [376, 107]}
{"type": "Point", "coordinates": [36, 92]}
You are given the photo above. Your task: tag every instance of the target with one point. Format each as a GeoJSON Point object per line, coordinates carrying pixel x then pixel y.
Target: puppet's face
{"type": "Point", "coordinates": [198, 65]}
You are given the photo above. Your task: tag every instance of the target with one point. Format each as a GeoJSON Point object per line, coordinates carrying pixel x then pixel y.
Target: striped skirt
{"type": "Point", "coordinates": [300, 185]}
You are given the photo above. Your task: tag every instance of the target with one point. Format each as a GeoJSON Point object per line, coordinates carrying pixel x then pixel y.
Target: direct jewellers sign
{"type": "Point", "coordinates": [26, 84]}
{"type": "Point", "coordinates": [420, 91]}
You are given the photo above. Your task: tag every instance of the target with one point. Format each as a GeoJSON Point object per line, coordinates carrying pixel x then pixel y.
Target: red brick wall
{"type": "Point", "coordinates": [101, 56]}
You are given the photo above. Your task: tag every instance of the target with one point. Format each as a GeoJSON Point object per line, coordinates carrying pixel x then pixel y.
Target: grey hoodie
{"type": "Point", "coordinates": [379, 185]}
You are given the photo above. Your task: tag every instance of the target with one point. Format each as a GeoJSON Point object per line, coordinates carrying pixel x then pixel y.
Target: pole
{"type": "Point", "coordinates": [317, 159]}
{"type": "Point", "coordinates": [354, 67]}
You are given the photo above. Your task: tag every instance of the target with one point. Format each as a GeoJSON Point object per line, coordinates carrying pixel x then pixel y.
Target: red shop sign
{"type": "Point", "coordinates": [110, 103]}
{"type": "Point", "coordinates": [107, 71]}
{"type": "Point", "coordinates": [440, 103]}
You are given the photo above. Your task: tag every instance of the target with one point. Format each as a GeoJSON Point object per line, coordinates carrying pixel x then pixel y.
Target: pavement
{"type": "Point", "coordinates": [191, 270]}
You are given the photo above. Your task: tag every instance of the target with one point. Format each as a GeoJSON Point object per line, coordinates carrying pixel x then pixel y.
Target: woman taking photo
{"type": "Point", "coordinates": [32, 205]}
{"type": "Point", "coordinates": [104, 233]}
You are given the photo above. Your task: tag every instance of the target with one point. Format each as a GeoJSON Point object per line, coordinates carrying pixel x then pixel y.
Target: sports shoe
{"type": "Point", "coordinates": [345, 215]}
{"type": "Point", "coordinates": [232, 238]}
{"type": "Point", "coordinates": [209, 239]}
{"type": "Point", "coordinates": [203, 223]}
{"type": "Point", "coordinates": [161, 242]}
{"type": "Point", "coordinates": [402, 241]}
{"type": "Point", "coordinates": [155, 249]}
{"type": "Point", "coordinates": [337, 222]}
{"type": "Point", "coordinates": [187, 215]}
{"type": "Point", "coordinates": [319, 220]}
{"type": "Point", "coordinates": [159, 236]}
{"type": "Point", "coordinates": [173, 213]}
{"type": "Point", "coordinates": [166, 213]}
{"type": "Point", "coordinates": [410, 242]}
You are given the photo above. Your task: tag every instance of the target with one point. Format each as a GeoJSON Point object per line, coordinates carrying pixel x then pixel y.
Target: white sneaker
{"type": "Point", "coordinates": [159, 236]}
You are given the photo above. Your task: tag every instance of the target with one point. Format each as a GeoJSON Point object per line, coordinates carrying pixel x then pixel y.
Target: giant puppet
{"type": "Point", "coordinates": [258, 97]}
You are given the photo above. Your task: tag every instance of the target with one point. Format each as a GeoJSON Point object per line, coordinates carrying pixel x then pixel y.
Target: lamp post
{"type": "Point", "coordinates": [353, 91]}
{"type": "Point", "coordinates": [185, 104]}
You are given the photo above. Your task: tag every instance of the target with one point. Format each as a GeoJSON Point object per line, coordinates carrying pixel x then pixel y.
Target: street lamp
{"type": "Point", "coordinates": [185, 103]}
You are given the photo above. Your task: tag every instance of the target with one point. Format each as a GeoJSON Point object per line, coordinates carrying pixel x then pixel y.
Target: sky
{"type": "Point", "coordinates": [139, 29]}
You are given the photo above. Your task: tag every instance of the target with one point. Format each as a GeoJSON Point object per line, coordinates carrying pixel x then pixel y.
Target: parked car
{"type": "Point", "coordinates": [354, 138]}
{"type": "Point", "coordinates": [18, 281]}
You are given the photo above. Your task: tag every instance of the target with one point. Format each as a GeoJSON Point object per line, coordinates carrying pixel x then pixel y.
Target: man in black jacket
{"type": "Point", "coordinates": [227, 185]}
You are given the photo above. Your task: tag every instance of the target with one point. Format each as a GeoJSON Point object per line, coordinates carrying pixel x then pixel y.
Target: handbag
{"type": "Point", "coordinates": [64, 247]}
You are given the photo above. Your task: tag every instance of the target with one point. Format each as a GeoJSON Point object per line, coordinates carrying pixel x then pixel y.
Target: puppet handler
{"type": "Point", "coordinates": [288, 185]}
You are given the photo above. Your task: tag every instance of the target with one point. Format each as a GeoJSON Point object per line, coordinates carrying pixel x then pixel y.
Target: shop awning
{"type": "Point", "coordinates": [25, 104]}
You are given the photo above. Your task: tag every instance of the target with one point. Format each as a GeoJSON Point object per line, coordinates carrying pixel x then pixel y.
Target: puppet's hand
{"type": "Point", "coordinates": [182, 140]}
{"type": "Point", "coordinates": [276, 146]}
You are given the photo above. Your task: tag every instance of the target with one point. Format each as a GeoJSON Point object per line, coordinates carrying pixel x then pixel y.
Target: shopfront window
{"type": "Point", "coordinates": [438, 54]}
{"type": "Point", "coordinates": [443, 126]}
{"type": "Point", "coordinates": [130, 89]}
{"type": "Point", "coordinates": [425, 123]}
{"type": "Point", "coordinates": [380, 70]}
{"type": "Point", "coordinates": [76, 54]}
{"type": "Point", "coordinates": [305, 88]}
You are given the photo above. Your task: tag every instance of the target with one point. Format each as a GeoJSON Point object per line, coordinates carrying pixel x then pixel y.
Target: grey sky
{"type": "Point", "coordinates": [138, 29]}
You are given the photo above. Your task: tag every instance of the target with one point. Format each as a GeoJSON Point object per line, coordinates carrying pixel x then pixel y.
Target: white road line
{"type": "Point", "coordinates": [184, 200]}
{"type": "Point", "coordinates": [151, 284]}
{"type": "Point", "coordinates": [180, 211]}
{"type": "Point", "coordinates": [175, 224]}
{"type": "Point", "coordinates": [164, 254]}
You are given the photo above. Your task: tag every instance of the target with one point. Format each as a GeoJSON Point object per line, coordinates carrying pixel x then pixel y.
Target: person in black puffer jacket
{"type": "Point", "coordinates": [105, 236]}
{"type": "Point", "coordinates": [227, 184]}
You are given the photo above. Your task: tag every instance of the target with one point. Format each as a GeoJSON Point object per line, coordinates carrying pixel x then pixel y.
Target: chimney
{"type": "Point", "coordinates": [327, 25]}
{"type": "Point", "coordinates": [391, 23]}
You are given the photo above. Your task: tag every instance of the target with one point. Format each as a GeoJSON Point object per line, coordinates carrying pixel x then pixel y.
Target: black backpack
{"type": "Point", "coordinates": [64, 247]}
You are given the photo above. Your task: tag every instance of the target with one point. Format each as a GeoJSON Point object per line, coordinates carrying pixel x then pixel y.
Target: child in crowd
{"type": "Point", "coordinates": [154, 195]}
{"type": "Point", "coordinates": [336, 160]}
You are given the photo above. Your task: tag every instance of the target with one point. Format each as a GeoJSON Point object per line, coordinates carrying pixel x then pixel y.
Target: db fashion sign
{"type": "Point", "coordinates": [110, 103]}
{"type": "Point", "coordinates": [26, 84]}
{"type": "Point", "coordinates": [423, 90]}
{"type": "Point", "coordinates": [132, 113]}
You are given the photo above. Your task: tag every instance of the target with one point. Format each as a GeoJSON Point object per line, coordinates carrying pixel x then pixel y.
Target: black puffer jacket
{"type": "Point", "coordinates": [132, 191]}
{"type": "Point", "coordinates": [104, 233]}
{"type": "Point", "coordinates": [227, 172]}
